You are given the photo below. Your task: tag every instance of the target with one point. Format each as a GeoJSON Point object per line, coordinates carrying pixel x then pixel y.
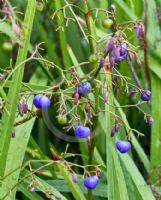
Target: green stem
{"type": "Point", "coordinates": [13, 94]}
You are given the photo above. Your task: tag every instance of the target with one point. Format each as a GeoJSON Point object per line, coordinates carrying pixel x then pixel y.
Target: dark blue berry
{"type": "Point", "coordinates": [123, 146]}
{"type": "Point", "coordinates": [82, 131]}
{"type": "Point", "coordinates": [84, 88]}
{"type": "Point", "coordinates": [45, 102]}
{"type": "Point", "coordinates": [145, 95]}
{"type": "Point", "coordinates": [91, 182]}
{"type": "Point", "coordinates": [41, 101]}
{"type": "Point", "coordinates": [37, 101]}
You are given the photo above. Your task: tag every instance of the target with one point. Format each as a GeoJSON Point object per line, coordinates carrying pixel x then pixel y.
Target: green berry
{"type": "Point", "coordinates": [40, 6]}
{"type": "Point", "coordinates": [93, 58]}
{"type": "Point", "coordinates": [7, 46]}
{"type": "Point", "coordinates": [62, 120]}
{"type": "Point", "coordinates": [107, 23]}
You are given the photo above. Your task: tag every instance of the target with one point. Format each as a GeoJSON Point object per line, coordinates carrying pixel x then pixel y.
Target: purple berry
{"type": "Point", "coordinates": [84, 88]}
{"type": "Point", "coordinates": [37, 101]}
{"type": "Point", "coordinates": [123, 146]}
{"type": "Point", "coordinates": [91, 182]}
{"type": "Point", "coordinates": [150, 121]}
{"type": "Point", "coordinates": [45, 102]}
{"type": "Point", "coordinates": [145, 95]}
{"type": "Point", "coordinates": [82, 131]}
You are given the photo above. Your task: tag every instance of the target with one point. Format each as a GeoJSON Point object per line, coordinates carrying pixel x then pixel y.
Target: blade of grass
{"type": "Point", "coordinates": [155, 157]}
{"type": "Point", "coordinates": [116, 182]}
{"type": "Point", "coordinates": [13, 94]}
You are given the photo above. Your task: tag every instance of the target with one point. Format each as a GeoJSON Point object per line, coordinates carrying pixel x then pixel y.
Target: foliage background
{"type": "Point", "coordinates": [127, 175]}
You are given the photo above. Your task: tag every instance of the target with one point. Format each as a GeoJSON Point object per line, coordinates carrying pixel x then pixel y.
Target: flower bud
{"type": "Point", "coordinates": [115, 129]}
{"type": "Point", "coordinates": [32, 189]}
{"type": "Point", "coordinates": [74, 177]}
{"type": "Point", "coordinates": [16, 29]}
{"type": "Point", "coordinates": [76, 97]}
{"type": "Point", "coordinates": [23, 107]}
{"type": "Point", "coordinates": [150, 121]}
{"type": "Point", "coordinates": [102, 62]}
{"type": "Point", "coordinates": [113, 8]}
{"type": "Point", "coordinates": [138, 61]}
{"type": "Point", "coordinates": [109, 46]}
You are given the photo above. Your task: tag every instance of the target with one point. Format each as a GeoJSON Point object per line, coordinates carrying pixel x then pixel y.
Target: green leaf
{"type": "Point", "coordinates": [116, 181]}
{"type": "Point", "coordinates": [13, 94]}
{"type": "Point", "coordinates": [135, 142]}
{"type": "Point", "coordinates": [156, 128]}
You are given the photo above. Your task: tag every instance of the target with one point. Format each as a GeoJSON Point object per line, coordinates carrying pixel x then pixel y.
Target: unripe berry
{"type": "Point", "coordinates": [40, 6]}
{"type": "Point", "coordinates": [145, 95]}
{"type": "Point", "coordinates": [7, 46]}
{"type": "Point", "coordinates": [91, 182]}
{"type": "Point", "coordinates": [82, 131]}
{"type": "Point", "coordinates": [123, 146]}
{"type": "Point", "coordinates": [62, 119]}
{"type": "Point", "coordinates": [93, 58]}
{"type": "Point", "coordinates": [107, 23]}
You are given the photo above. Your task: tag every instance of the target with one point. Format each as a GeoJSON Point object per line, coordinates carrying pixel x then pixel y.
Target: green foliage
{"type": "Point", "coordinates": [62, 47]}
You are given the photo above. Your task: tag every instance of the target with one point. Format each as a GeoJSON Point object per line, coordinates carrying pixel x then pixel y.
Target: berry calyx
{"type": "Point", "coordinates": [91, 182]}
{"type": "Point", "coordinates": [93, 58]}
{"type": "Point", "coordinates": [62, 120]}
{"type": "Point", "coordinates": [123, 146]}
{"type": "Point", "coordinates": [145, 95]}
{"type": "Point", "coordinates": [107, 23]}
{"type": "Point", "coordinates": [82, 131]}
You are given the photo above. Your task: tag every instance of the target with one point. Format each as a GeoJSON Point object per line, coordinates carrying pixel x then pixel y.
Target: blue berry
{"type": "Point", "coordinates": [145, 95]}
{"type": "Point", "coordinates": [84, 88]}
{"type": "Point", "coordinates": [41, 101]}
{"type": "Point", "coordinates": [37, 101]}
{"type": "Point", "coordinates": [123, 146]}
{"type": "Point", "coordinates": [45, 102]}
{"type": "Point", "coordinates": [82, 131]}
{"type": "Point", "coordinates": [91, 182]}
